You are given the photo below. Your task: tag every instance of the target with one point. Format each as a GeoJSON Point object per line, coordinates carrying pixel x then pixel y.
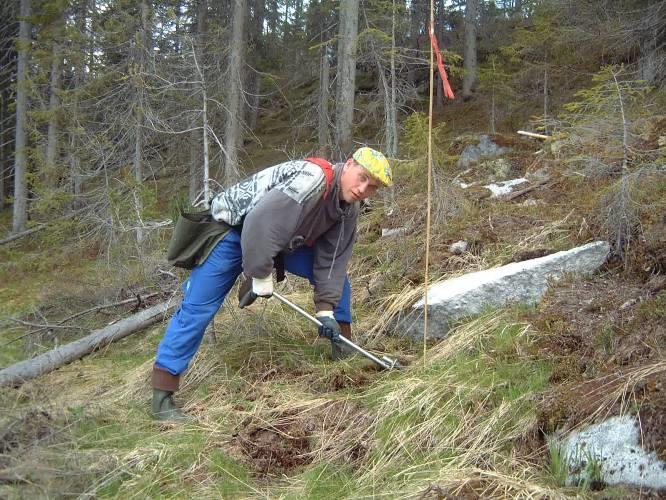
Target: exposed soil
{"type": "Point", "coordinates": [278, 448]}
{"type": "Point", "coordinates": [652, 416]}
{"type": "Point", "coordinates": [602, 334]}
{"type": "Point", "coordinates": [337, 430]}
{"type": "Point", "coordinates": [30, 429]}
{"type": "Point", "coordinates": [341, 381]}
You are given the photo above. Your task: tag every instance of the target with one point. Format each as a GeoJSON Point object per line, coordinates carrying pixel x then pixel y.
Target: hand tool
{"type": "Point", "coordinates": [385, 362]}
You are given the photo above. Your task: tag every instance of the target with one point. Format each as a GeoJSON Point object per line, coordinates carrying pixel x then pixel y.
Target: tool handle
{"type": "Point", "coordinates": [342, 339]}
{"type": "Point", "coordinates": [297, 309]}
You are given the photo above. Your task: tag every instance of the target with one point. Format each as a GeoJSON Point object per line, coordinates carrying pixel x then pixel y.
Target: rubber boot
{"type": "Point", "coordinates": [163, 407]}
{"type": "Point", "coordinates": [338, 349]}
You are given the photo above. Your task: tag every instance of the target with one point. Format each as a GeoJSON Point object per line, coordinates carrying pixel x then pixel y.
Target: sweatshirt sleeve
{"type": "Point", "coordinates": [271, 224]}
{"type": "Point", "coordinates": [333, 250]}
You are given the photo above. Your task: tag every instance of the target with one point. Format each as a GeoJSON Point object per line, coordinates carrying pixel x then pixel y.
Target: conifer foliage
{"type": "Point", "coordinates": [99, 98]}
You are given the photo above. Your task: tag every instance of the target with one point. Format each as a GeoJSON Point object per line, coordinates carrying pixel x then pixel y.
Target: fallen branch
{"type": "Point", "coordinates": [61, 324]}
{"type": "Point", "coordinates": [22, 234]}
{"type": "Point", "coordinates": [516, 194]}
{"type": "Point", "coordinates": [535, 135]}
{"type": "Point", "coordinates": [19, 372]}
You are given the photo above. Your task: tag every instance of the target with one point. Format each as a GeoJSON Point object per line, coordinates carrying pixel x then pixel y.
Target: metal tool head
{"type": "Point", "coordinates": [392, 363]}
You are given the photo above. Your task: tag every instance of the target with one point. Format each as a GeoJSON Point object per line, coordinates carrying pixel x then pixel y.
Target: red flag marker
{"type": "Point", "coordinates": [448, 92]}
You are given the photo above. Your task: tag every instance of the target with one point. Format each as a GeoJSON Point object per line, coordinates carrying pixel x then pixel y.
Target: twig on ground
{"type": "Point", "coordinates": [60, 324]}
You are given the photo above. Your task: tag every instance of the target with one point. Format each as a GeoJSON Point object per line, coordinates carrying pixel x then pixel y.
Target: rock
{"type": "Point", "coordinates": [532, 203]}
{"type": "Point", "coordinates": [521, 282]}
{"type": "Point", "coordinates": [615, 447]}
{"type": "Point", "coordinates": [628, 304]}
{"type": "Point", "coordinates": [539, 175]}
{"type": "Point", "coordinates": [498, 168]}
{"type": "Point", "coordinates": [458, 247]}
{"type": "Point", "coordinates": [485, 148]}
{"type": "Point", "coordinates": [398, 231]}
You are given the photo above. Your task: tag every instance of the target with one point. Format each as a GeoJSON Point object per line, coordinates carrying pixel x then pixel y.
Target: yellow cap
{"type": "Point", "coordinates": [375, 163]}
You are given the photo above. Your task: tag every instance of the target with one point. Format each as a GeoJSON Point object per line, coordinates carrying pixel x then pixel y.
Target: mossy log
{"type": "Point", "coordinates": [18, 373]}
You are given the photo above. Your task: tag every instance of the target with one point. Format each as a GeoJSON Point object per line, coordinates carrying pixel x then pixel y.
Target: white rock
{"type": "Point", "coordinates": [399, 231]}
{"type": "Point", "coordinates": [458, 247]}
{"type": "Point", "coordinates": [615, 446]}
{"type": "Point", "coordinates": [504, 187]}
{"type": "Point", "coordinates": [518, 282]}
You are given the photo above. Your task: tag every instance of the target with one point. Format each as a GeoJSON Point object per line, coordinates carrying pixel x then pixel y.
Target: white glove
{"type": "Point", "coordinates": [263, 287]}
{"type": "Point", "coordinates": [325, 314]}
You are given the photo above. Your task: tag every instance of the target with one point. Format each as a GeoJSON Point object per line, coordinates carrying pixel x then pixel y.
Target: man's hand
{"type": "Point", "coordinates": [329, 326]}
{"type": "Point", "coordinates": [249, 290]}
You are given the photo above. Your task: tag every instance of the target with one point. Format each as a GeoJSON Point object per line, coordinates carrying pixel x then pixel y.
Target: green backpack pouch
{"type": "Point", "coordinates": [194, 237]}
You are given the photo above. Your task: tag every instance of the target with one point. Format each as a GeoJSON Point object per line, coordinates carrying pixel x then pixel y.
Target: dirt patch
{"type": "Point", "coordinates": [341, 381]}
{"type": "Point", "coordinates": [31, 428]}
{"type": "Point", "coordinates": [537, 253]}
{"type": "Point", "coordinates": [332, 431]}
{"type": "Point", "coordinates": [35, 425]}
{"type": "Point", "coordinates": [276, 449]}
{"type": "Point", "coordinates": [652, 416]}
{"type": "Point", "coordinates": [606, 337]}
{"type": "Point", "coordinates": [592, 327]}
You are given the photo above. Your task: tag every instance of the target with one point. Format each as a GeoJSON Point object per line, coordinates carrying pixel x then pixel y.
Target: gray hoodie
{"type": "Point", "coordinates": [282, 208]}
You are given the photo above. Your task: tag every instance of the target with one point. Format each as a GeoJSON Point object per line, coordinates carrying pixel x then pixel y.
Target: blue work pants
{"type": "Point", "coordinates": [205, 290]}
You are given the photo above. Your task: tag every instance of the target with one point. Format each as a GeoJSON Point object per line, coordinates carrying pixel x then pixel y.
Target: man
{"type": "Point", "coordinates": [305, 211]}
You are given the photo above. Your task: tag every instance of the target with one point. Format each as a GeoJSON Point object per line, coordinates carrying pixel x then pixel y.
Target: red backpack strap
{"type": "Point", "coordinates": [327, 168]}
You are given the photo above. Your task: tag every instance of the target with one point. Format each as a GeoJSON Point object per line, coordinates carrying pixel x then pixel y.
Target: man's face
{"type": "Point", "coordinates": [356, 183]}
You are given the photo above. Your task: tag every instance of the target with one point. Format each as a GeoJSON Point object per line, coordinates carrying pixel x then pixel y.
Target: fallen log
{"type": "Point", "coordinates": [22, 234]}
{"type": "Point", "coordinates": [28, 369]}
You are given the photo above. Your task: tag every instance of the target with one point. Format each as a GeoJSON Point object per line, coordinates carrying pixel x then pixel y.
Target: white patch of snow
{"type": "Point", "coordinates": [504, 187]}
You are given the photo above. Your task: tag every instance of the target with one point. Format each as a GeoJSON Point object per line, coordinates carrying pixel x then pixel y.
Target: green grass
{"type": "Point", "coordinates": [558, 466]}
{"type": "Point", "coordinates": [230, 478]}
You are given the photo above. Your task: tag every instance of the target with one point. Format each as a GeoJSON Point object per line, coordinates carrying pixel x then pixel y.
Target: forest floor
{"type": "Point", "coordinates": [276, 418]}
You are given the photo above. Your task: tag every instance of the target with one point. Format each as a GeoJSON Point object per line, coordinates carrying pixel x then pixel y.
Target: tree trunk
{"type": "Point", "coordinates": [346, 74]}
{"type": "Point", "coordinates": [194, 165]}
{"type": "Point", "coordinates": [206, 172]}
{"type": "Point", "coordinates": [492, 99]}
{"type": "Point", "coordinates": [392, 144]}
{"type": "Point", "coordinates": [235, 105]}
{"type": "Point", "coordinates": [517, 8]}
{"type": "Point", "coordinates": [4, 118]}
{"type": "Point", "coordinates": [256, 39]}
{"type": "Point", "coordinates": [252, 110]}
{"type": "Point", "coordinates": [324, 82]}
{"type": "Point", "coordinates": [19, 372]}
{"type": "Point", "coordinates": [20, 215]}
{"type": "Point", "coordinates": [198, 53]}
{"type": "Point", "coordinates": [545, 93]}
{"type": "Point", "coordinates": [469, 63]}
{"type": "Point", "coordinates": [75, 174]}
{"type": "Point", "coordinates": [414, 23]}
{"type": "Point", "coordinates": [141, 56]}
{"type": "Point", "coordinates": [53, 132]}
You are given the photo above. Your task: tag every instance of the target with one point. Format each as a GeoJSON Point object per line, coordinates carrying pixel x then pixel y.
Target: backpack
{"type": "Point", "coordinates": [327, 168]}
